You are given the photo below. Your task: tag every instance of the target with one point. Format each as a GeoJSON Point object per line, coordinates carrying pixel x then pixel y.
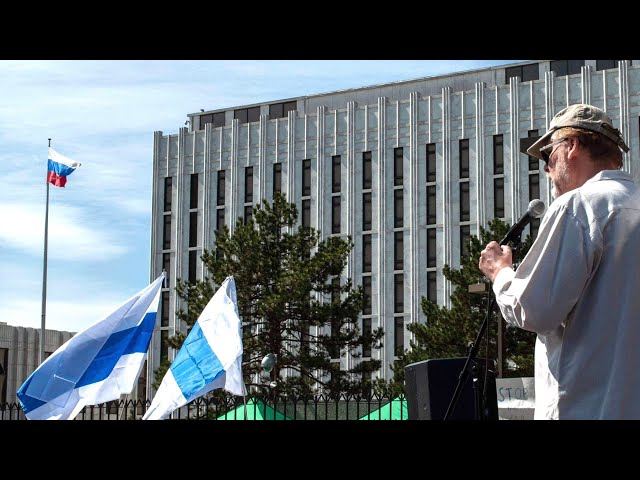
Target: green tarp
{"type": "Point", "coordinates": [396, 409]}
{"type": "Point", "coordinates": [255, 410]}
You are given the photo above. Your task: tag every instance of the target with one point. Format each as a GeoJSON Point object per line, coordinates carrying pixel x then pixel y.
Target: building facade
{"type": "Point", "coordinates": [19, 355]}
{"type": "Point", "coordinates": [408, 169]}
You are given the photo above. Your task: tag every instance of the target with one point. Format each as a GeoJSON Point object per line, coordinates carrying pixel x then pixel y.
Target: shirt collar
{"type": "Point", "coordinates": [610, 175]}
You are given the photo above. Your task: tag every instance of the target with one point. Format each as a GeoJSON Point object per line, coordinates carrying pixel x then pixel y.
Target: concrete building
{"type": "Point", "coordinates": [19, 355]}
{"type": "Point", "coordinates": [409, 169]}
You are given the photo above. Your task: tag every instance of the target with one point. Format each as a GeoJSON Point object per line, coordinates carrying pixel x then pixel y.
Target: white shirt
{"type": "Point", "coordinates": [578, 288]}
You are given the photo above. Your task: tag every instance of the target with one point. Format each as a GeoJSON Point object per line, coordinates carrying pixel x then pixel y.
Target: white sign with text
{"type": "Point", "coordinates": [516, 398]}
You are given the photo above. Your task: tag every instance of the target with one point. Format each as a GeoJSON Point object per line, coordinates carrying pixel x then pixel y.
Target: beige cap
{"type": "Point", "coordinates": [584, 116]}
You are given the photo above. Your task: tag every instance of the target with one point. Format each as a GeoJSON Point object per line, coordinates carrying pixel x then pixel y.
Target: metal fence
{"type": "Point", "coordinates": [344, 407]}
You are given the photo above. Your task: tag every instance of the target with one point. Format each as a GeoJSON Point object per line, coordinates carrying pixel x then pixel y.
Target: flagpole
{"type": "Point", "coordinates": [44, 276]}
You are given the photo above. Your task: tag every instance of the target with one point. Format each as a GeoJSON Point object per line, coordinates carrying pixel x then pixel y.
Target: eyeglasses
{"type": "Point", "coordinates": [547, 150]}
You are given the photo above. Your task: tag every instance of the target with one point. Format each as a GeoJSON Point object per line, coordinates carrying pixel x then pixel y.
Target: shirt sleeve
{"type": "Point", "coordinates": [540, 295]}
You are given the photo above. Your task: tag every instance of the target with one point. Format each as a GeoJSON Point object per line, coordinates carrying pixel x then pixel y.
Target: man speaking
{"type": "Point", "coordinates": [578, 287]}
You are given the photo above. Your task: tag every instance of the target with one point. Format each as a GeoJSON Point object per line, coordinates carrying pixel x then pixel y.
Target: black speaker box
{"type": "Point", "coordinates": [430, 386]}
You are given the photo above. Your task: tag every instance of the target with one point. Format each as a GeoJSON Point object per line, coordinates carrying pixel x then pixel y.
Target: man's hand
{"type": "Point", "coordinates": [494, 258]}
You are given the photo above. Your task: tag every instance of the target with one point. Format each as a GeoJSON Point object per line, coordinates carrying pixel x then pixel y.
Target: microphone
{"type": "Point", "coordinates": [535, 210]}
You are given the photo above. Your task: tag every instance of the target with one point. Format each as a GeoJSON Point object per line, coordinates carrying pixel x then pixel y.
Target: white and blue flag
{"type": "Point", "coordinates": [209, 358]}
{"type": "Point", "coordinates": [96, 365]}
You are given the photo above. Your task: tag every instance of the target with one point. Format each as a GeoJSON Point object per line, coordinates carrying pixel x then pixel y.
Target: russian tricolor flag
{"type": "Point", "coordinates": [59, 168]}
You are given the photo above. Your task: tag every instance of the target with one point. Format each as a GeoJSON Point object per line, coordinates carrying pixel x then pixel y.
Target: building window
{"type": "Point", "coordinates": [366, 211]}
{"type": "Point", "coordinates": [366, 253]}
{"type": "Point", "coordinates": [532, 136]}
{"type": "Point", "coordinates": [248, 213]}
{"type": "Point", "coordinates": [334, 351]}
{"type": "Point", "coordinates": [164, 320]}
{"type": "Point", "coordinates": [166, 266]}
{"type": "Point", "coordinates": [432, 287]}
{"type": "Point", "coordinates": [366, 333]}
{"type": "Point", "coordinates": [193, 229]}
{"type": "Point", "coordinates": [367, 375]}
{"type": "Point", "coordinates": [525, 72]}
{"type": "Point", "coordinates": [166, 232]}
{"type": "Point", "coordinates": [168, 184]}
{"type": "Point", "coordinates": [498, 183]}
{"type": "Point", "coordinates": [431, 162]}
{"type": "Point", "coordinates": [335, 292]}
{"type": "Point", "coordinates": [335, 214]}
{"type": "Point", "coordinates": [465, 234]}
{"type": "Point", "coordinates": [465, 204]}
{"type": "Point", "coordinates": [4, 368]}
{"type": "Point", "coordinates": [606, 64]}
{"type": "Point", "coordinates": [193, 197]}
{"type": "Point", "coordinates": [398, 296]}
{"type": "Point", "coordinates": [164, 345]}
{"type": "Point", "coordinates": [306, 213]}
{"type": "Point", "coordinates": [398, 336]}
{"type": "Point", "coordinates": [366, 170]}
{"type": "Point", "coordinates": [335, 189]}
{"type": "Point", "coordinates": [566, 67]}
{"type": "Point", "coordinates": [217, 119]}
{"type": "Point", "coordinates": [498, 155]}
{"type": "Point", "coordinates": [366, 290]}
{"type": "Point", "coordinates": [306, 178]}
{"type": "Point", "coordinates": [219, 219]}
{"type": "Point", "coordinates": [431, 205]}
{"type": "Point", "coordinates": [142, 388]}
{"type": "Point", "coordinates": [534, 167]}
{"type": "Point", "coordinates": [248, 184]}
{"type": "Point", "coordinates": [247, 115]}
{"type": "Point", "coordinates": [534, 192]}
{"type": "Point", "coordinates": [398, 210]}
{"type": "Point", "coordinates": [280, 110]}
{"type": "Point", "coordinates": [498, 197]}
{"type": "Point", "coordinates": [220, 188]}
{"type": "Point", "coordinates": [277, 178]}
{"type": "Point", "coordinates": [464, 158]}
{"type": "Point", "coordinates": [397, 166]}
{"type": "Point", "coordinates": [335, 174]}
{"type": "Point", "coordinates": [431, 247]}
{"type": "Point", "coordinates": [534, 226]}
{"type": "Point", "coordinates": [193, 258]}
{"type": "Point", "coordinates": [534, 186]}
{"type": "Point", "coordinates": [398, 250]}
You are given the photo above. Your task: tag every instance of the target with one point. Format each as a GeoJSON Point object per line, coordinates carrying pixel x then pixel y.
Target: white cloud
{"type": "Point", "coordinates": [72, 236]}
{"type": "Point", "coordinates": [75, 298]}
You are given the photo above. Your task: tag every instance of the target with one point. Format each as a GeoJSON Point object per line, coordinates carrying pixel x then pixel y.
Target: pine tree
{"type": "Point", "coordinates": [448, 332]}
{"type": "Point", "coordinates": [291, 302]}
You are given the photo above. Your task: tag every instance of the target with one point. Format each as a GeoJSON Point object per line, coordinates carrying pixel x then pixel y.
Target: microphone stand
{"type": "Point", "coordinates": [483, 410]}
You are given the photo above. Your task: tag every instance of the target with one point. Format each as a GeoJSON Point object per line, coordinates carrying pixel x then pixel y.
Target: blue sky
{"type": "Point", "coordinates": [103, 113]}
